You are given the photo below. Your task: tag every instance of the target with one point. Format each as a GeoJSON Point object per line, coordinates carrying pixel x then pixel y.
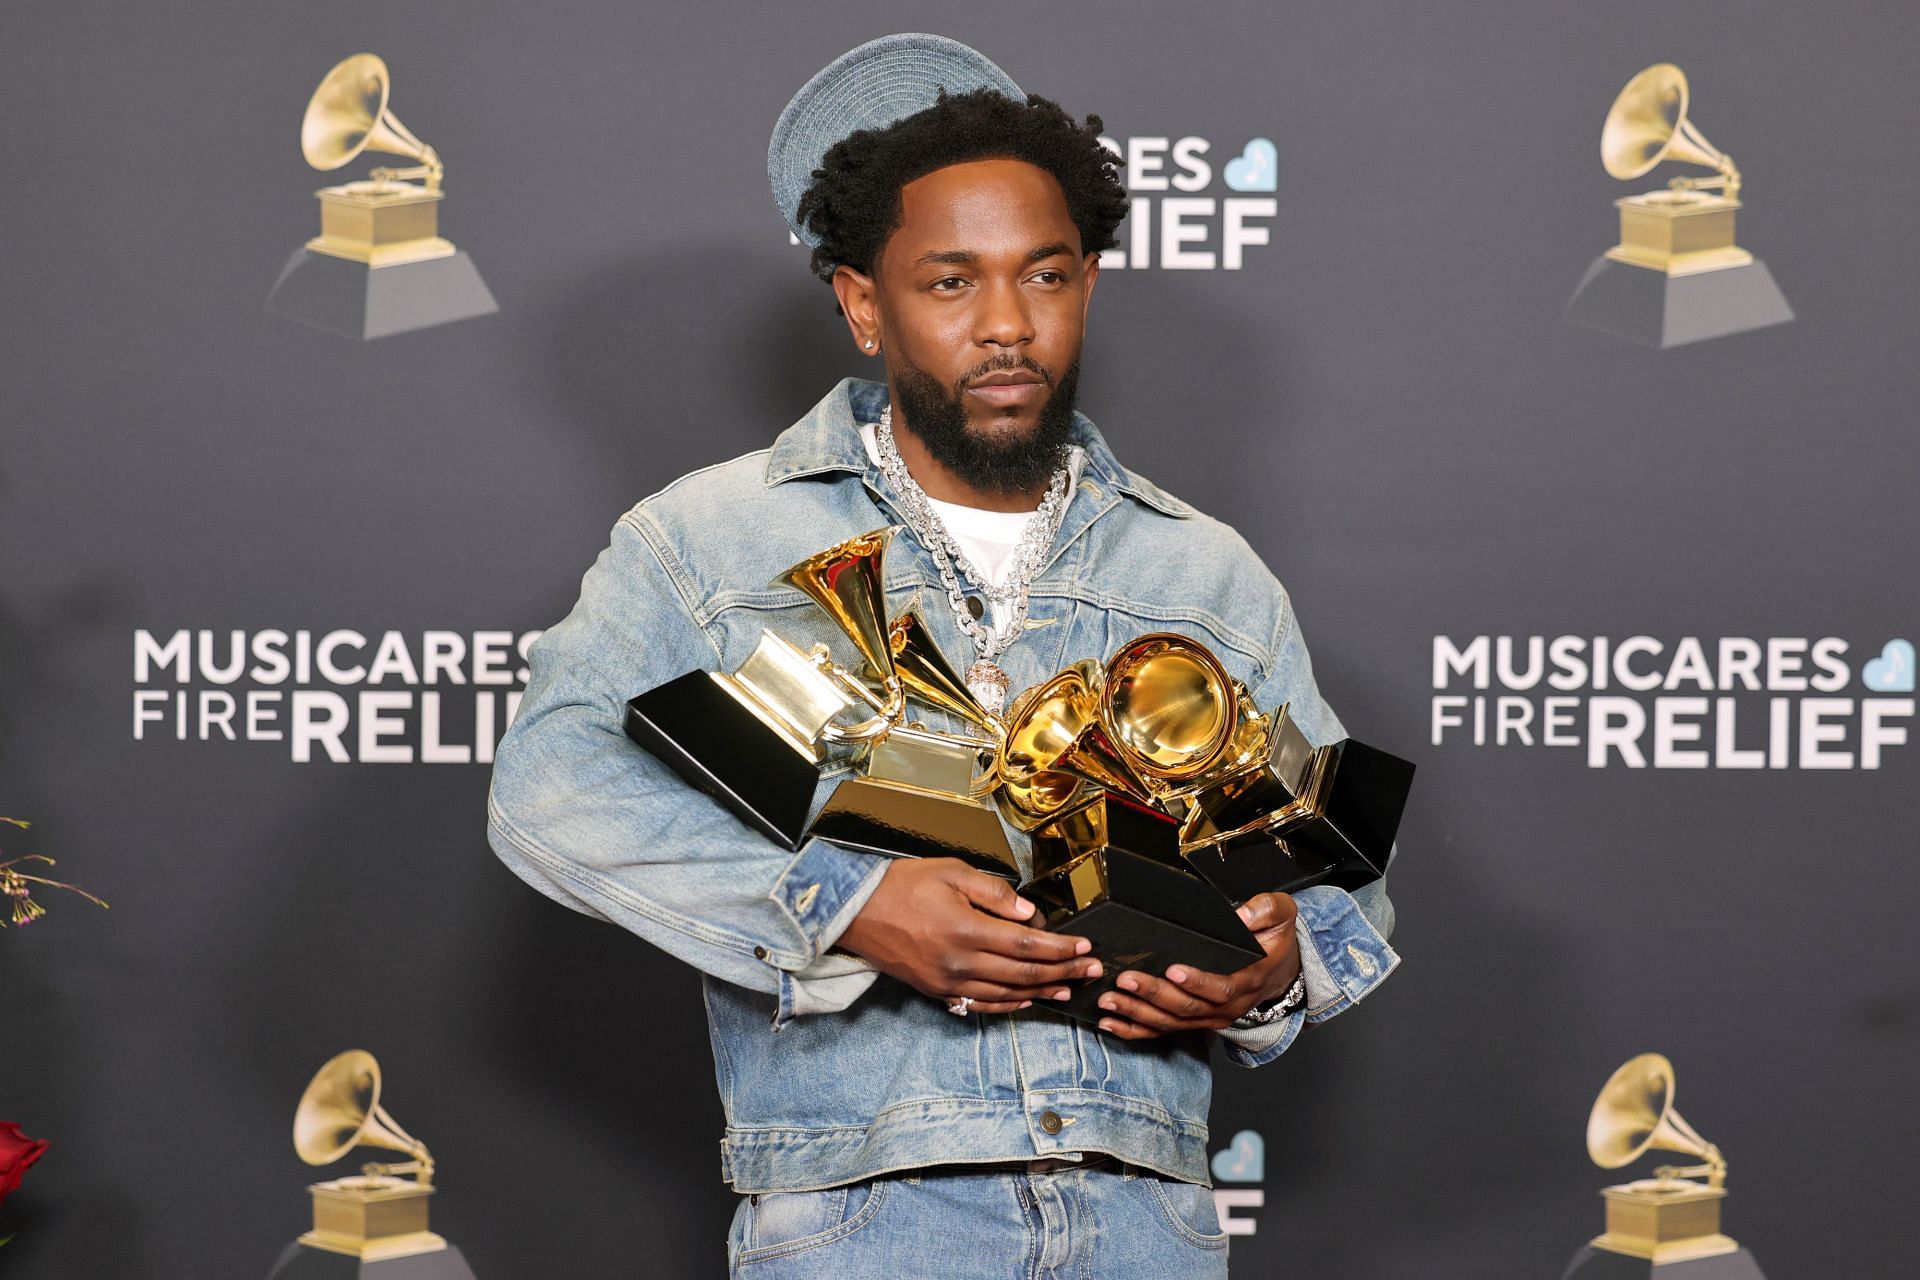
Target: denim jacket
{"type": "Point", "coordinates": [829, 1072]}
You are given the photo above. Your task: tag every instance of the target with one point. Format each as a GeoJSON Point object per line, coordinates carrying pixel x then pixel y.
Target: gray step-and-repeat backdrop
{"type": "Point", "coordinates": [1641, 612]}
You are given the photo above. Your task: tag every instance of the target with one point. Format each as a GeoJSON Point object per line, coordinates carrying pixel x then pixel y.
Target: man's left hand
{"type": "Point", "coordinates": [1189, 999]}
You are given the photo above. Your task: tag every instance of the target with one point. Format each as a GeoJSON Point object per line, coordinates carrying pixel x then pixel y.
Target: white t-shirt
{"type": "Point", "coordinates": [988, 537]}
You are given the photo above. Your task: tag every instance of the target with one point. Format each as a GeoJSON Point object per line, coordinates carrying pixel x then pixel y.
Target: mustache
{"type": "Point", "coordinates": [997, 364]}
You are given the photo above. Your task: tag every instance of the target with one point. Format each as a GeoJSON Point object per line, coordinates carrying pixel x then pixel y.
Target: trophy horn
{"type": "Point", "coordinates": [1648, 124]}
{"type": "Point", "coordinates": [1634, 1114]}
{"type": "Point", "coordinates": [927, 673]}
{"type": "Point", "coordinates": [348, 114]}
{"type": "Point", "coordinates": [341, 1110]}
{"type": "Point", "coordinates": [848, 581]}
{"type": "Point", "coordinates": [1055, 741]}
{"type": "Point", "coordinates": [1169, 707]}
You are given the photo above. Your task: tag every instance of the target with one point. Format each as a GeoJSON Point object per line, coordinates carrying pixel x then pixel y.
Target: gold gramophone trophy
{"type": "Point", "coordinates": [1085, 761]}
{"type": "Point", "coordinates": [1277, 813]}
{"type": "Point", "coordinates": [1668, 1224]}
{"type": "Point", "coordinates": [755, 739]}
{"type": "Point", "coordinates": [1157, 796]}
{"type": "Point", "coordinates": [374, 1224]}
{"type": "Point", "coordinates": [379, 265]}
{"type": "Point", "coordinates": [1676, 276]}
{"type": "Point", "coordinates": [1258, 807]}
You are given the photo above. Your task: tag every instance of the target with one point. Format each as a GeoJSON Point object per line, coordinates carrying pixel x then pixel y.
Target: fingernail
{"type": "Point", "coordinates": [1061, 994]}
{"type": "Point", "coordinates": [1246, 915]}
{"type": "Point", "coordinates": [1093, 969]}
{"type": "Point", "coordinates": [1127, 984]}
{"type": "Point", "coordinates": [1106, 1002]}
{"type": "Point", "coordinates": [1024, 907]}
{"type": "Point", "coordinates": [1024, 1004]}
{"type": "Point", "coordinates": [1176, 974]}
{"type": "Point", "coordinates": [1108, 1024]}
{"type": "Point", "coordinates": [1081, 947]}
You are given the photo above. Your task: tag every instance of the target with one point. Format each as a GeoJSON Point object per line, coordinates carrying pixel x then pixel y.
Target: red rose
{"type": "Point", "coordinates": [17, 1151]}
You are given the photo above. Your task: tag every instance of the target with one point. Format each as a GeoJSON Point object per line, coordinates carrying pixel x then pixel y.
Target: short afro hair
{"type": "Point", "coordinates": [853, 204]}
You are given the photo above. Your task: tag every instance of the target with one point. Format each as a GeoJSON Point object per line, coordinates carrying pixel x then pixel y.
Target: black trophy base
{"type": "Point", "coordinates": [1658, 310]}
{"type": "Point", "coordinates": [1603, 1264]}
{"type": "Point", "coordinates": [357, 301]}
{"type": "Point", "coordinates": [874, 816]}
{"type": "Point", "coordinates": [1141, 910]}
{"type": "Point", "coordinates": [703, 733]}
{"type": "Point", "coordinates": [304, 1262]}
{"type": "Point", "coordinates": [1347, 844]}
{"type": "Point", "coordinates": [1366, 796]}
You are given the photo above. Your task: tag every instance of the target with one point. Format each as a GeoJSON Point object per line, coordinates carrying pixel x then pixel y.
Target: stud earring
{"type": "Point", "coordinates": [869, 344]}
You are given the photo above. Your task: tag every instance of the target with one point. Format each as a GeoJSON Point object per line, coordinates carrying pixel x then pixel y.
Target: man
{"type": "Point", "coordinates": [870, 1131]}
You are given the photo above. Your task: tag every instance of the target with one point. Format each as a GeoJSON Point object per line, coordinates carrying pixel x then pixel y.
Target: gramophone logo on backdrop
{"type": "Point", "coordinates": [371, 1225]}
{"type": "Point", "coordinates": [431, 697]}
{"type": "Point", "coordinates": [1676, 276]}
{"type": "Point", "coordinates": [1735, 702]}
{"type": "Point", "coordinates": [379, 265]}
{"type": "Point", "coordinates": [1669, 1224]}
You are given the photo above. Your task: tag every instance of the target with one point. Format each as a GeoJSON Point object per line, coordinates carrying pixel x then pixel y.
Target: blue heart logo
{"type": "Point", "coordinates": [1255, 169]}
{"type": "Point", "coordinates": [1245, 1160]}
{"type": "Point", "coordinates": [1892, 671]}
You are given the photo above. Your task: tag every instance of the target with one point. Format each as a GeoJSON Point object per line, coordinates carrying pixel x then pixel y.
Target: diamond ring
{"type": "Point", "coordinates": [961, 1006]}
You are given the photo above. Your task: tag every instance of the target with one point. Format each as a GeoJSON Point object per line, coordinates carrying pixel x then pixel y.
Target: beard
{"type": "Point", "coordinates": [1004, 464]}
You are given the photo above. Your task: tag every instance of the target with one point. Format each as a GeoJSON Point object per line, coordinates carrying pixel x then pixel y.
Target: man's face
{"type": "Point", "coordinates": [980, 303]}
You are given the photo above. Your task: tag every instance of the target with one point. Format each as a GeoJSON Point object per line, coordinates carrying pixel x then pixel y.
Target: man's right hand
{"type": "Point", "coordinates": [947, 931]}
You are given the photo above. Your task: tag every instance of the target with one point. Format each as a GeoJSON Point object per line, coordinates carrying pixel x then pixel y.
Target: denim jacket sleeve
{"type": "Point", "coordinates": [595, 822]}
{"type": "Point", "coordinates": [1342, 936]}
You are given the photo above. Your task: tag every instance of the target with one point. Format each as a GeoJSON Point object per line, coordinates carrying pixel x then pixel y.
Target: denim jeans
{"type": "Point", "coordinates": [1113, 1222]}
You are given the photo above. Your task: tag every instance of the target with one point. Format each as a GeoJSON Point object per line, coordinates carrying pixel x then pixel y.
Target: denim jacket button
{"type": "Point", "coordinates": [1051, 1121]}
{"type": "Point", "coordinates": [759, 953]}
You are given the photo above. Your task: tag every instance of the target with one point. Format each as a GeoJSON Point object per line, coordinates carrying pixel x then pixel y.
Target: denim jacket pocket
{"type": "Point", "coordinates": [1188, 1208]}
{"type": "Point", "coordinates": [783, 1223]}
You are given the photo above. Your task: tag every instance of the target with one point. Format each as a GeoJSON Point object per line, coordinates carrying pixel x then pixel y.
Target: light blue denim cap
{"type": "Point", "coordinates": [868, 87]}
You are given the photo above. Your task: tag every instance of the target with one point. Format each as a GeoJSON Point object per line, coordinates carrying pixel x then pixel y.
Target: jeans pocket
{"type": "Point", "coordinates": [783, 1223]}
{"type": "Point", "coordinates": [1188, 1208]}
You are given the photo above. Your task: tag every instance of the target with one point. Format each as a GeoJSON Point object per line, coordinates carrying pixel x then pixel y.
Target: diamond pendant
{"type": "Point", "coordinates": [988, 683]}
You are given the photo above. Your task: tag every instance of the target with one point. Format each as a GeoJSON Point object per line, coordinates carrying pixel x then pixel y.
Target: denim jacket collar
{"type": "Point", "coordinates": [827, 439]}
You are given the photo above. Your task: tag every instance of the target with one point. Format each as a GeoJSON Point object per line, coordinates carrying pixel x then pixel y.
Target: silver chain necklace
{"type": "Point", "coordinates": [985, 679]}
